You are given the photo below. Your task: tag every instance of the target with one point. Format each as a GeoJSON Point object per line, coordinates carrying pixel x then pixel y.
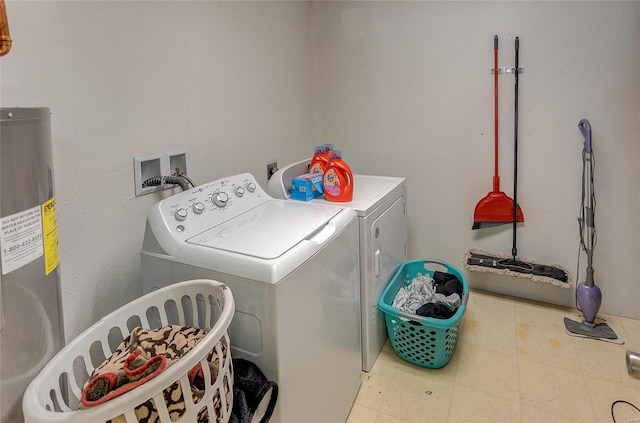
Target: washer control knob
{"type": "Point", "coordinates": [220, 199]}
{"type": "Point", "coordinates": [239, 191]}
{"type": "Point", "coordinates": [180, 214]}
{"type": "Point", "coordinates": [251, 187]}
{"type": "Point", "coordinates": [198, 208]}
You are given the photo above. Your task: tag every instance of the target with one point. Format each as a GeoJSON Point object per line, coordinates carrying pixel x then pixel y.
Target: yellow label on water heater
{"type": "Point", "coordinates": [50, 235]}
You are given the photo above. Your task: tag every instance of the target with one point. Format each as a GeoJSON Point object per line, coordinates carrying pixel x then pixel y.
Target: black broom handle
{"type": "Point", "coordinates": [514, 250]}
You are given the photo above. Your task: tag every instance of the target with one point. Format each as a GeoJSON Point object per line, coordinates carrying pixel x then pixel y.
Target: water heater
{"type": "Point", "coordinates": [31, 329]}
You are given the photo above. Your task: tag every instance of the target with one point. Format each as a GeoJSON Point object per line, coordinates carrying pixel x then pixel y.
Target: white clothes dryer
{"type": "Point", "coordinates": [380, 202]}
{"type": "Point", "coordinates": [294, 273]}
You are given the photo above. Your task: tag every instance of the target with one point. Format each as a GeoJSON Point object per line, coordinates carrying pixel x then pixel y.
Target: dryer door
{"type": "Point", "coordinates": [383, 253]}
{"type": "Point", "coordinates": [389, 243]}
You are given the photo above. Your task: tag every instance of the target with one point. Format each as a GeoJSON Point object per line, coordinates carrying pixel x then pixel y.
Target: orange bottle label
{"type": "Point", "coordinates": [331, 183]}
{"type": "Point", "coordinates": [338, 182]}
{"type": "Point", "coordinates": [316, 168]}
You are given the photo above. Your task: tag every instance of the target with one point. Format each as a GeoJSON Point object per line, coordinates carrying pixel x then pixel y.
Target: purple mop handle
{"type": "Point", "coordinates": [585, 128]}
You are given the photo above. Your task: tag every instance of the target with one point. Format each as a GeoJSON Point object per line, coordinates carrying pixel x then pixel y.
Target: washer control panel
{"type": "Point", "coordinates": [207, 205]}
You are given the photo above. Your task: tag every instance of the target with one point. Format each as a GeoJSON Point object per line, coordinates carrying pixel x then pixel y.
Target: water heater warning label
{"type": "Point", "coordinates": [21, 239]}
{"type": "Point", "coordinates": [50, 233]}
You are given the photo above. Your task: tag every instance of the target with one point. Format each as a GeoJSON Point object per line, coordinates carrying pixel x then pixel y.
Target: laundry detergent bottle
{"type": "Point", "coordinates": [320, 159]}
{"type": "Point", "coordinates": [338, 179]}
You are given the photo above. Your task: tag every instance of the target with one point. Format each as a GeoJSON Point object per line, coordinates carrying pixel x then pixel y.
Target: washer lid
{"type": "Point", "coordinates": [269, 230]}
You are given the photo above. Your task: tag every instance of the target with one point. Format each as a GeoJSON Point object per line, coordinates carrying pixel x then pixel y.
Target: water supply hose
{"type": "Point", "coordinates": [166, 180]}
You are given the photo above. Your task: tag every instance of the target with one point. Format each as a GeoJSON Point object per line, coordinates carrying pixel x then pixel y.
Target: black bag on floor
{"type": "Point", "coordinates": [254, 396]}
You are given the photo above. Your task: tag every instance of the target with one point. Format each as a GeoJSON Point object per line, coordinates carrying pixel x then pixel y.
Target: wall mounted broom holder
{"type": "Point", "coordinates": [505, 69]}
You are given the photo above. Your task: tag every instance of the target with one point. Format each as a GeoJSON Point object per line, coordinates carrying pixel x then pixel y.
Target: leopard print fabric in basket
{"type": "Point", "coordinates": [143, 355]}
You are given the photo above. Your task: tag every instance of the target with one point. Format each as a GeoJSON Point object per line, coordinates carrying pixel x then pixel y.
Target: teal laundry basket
{"type": "Point", "coordinates": [423, 341]}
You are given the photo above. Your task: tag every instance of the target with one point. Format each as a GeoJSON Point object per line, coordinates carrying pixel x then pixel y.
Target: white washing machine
{"type": "Point", "coordinates": [294, 273]}
{"type": "Point", "coordinates": [380, 202]}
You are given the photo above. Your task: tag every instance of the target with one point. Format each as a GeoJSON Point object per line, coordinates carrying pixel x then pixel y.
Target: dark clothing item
{"type": "Point", "coordinates": [447, 284]}
{"type": "Point", "coordinates": [241, 412]}
{"type": "Point", "coordinates": [436, 310]}
{"type": "Point", "coordinates": [251, 388]}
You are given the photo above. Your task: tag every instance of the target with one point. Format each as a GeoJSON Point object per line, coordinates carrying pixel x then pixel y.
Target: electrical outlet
{"type": "Point", "coordinates": [271, 169]}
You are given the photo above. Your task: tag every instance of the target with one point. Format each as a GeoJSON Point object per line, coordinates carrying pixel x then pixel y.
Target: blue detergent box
{"type": "Point", "coordinates": [306, 187]}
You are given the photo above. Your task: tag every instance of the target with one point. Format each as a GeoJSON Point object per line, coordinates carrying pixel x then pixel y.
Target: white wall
{"type": "Point", "coordinates": [229, 82]}
{"type": "Point", "coordinates": [401, 87]}
{"type": "Point", "coordinates": [406, 90]}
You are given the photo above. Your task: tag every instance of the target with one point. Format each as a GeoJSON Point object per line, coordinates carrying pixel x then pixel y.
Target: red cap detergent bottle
{"type": "Point", "coordinates": [338, 179]}
{"type": "Point", "coordinates": [320, 159]}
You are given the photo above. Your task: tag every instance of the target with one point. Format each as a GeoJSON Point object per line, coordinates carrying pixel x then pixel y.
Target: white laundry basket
{"type": "Point", "coordinates": [53, 396]}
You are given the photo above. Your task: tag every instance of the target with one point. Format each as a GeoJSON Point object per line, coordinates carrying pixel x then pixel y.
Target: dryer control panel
{"type": "Point", "coordinates": [205, 206]}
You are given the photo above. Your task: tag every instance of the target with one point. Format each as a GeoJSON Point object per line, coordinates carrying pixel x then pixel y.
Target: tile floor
{"type": "Point", "coordinates": [513, 362]}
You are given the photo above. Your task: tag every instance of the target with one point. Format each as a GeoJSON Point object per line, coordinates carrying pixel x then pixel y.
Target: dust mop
{"type": "Point", "coordinates": [588, 295]}
{"type": "Point", "coordinates": [482, 261]}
